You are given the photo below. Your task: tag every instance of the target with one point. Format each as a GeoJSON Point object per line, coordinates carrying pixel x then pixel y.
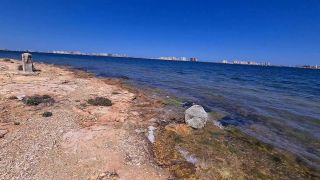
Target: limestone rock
{"type": "Point", "coordinates": [27, 64]}
{"type": "Point", "coordinates": [196, 116]}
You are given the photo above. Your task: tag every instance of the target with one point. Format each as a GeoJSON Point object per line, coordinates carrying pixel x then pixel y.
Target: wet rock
{"type": "Point", "coordinates": [196, 117]}
{"type": "Point", "coordinates": [217, 115]}
{"type": "Point", "coordinates": [124, 77]}
{"type": "Point", "coordinates": [164, 148]}
{"type": "Point", "coordinates": [174, 115]}
{"type": "Point", "coordinates": [218, 124]}
{"type": "Point", "coordinates": [167, 153]}
{"type": "Point", "coordinates": [191, 158]}
{"type": "Point", "coordinates": [187, 104]}
{"type": "Point", "coordinates": [3, 132]}
{"type": "Point", "coordinates": [183, 170]}
{"type": "Point", "coordinates": [180, 129]}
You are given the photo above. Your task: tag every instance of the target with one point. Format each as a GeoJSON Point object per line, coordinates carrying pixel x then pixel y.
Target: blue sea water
{"type": "Point", "coordinates": [277, 105]}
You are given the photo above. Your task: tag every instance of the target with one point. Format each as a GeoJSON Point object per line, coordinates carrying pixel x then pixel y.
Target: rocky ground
{"type": "Point", "coordinates": [79, 141]}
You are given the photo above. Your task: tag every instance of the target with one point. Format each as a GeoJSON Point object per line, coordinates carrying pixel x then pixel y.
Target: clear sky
{"type": "Point", "coordinates": [279, 31]}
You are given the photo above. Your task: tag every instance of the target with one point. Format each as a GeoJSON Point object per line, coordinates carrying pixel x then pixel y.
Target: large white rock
{"type": "Point", "coordinates": [196, 116]}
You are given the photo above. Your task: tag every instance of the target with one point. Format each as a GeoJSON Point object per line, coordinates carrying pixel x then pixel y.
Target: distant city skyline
{"type": "Point", "coordinates": [280, 32]}
{"type": "Point", "coordinates": [170, 58]}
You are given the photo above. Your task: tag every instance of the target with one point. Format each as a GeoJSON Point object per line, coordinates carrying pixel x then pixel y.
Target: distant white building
{"type": "Point", "coordinates": [178, 59]}
{"type": "Point", "coordinates": [183, 59]}
{"type": "Point", "coordinates": [225, 62]}
{"type": "Point", "coordinates": [193, 59]}
{"type": "Point", "coordinates": [169, 58]}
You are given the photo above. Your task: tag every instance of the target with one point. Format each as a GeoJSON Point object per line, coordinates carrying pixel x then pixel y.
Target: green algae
{"type": "Point", "coordinates": [226, 154]}
{"type": "Point", "coordinates": [167, 155]}
{"type": "Point", "coordinates": [216, 116]}
{"type": "Point", "coordinates": [173, 102]}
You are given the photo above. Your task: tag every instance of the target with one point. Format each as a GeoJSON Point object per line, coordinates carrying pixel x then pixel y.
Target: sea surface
{"type": "Point", "coordinates": [277, 105]}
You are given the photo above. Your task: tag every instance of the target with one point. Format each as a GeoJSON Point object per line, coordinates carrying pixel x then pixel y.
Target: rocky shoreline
{"type": "Point", "coordinates": [104, 129]}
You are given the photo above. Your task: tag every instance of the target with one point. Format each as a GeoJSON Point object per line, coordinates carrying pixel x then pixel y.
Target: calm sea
{"type": "Point", "coordinates": [277, 105]}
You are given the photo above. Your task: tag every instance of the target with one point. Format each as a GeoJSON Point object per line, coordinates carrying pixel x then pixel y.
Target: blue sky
{"type": "Point", "coordinates": [279, 31]}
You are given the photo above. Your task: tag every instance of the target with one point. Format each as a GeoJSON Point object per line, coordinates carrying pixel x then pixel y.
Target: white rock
{"type": "Point", "coordinates": [191, 158]}
{"type": "Point", "coordinates": [20, 97]}
{"type": "Point", "coordinates": [151, 136]}
{"type": "Point", "coordinates": [196, 116]}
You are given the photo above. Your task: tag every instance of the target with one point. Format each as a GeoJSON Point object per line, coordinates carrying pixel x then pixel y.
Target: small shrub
{"type": "Point", "coordinates": [13, 97]}
{"type": "Point", "coordinates": [20, 68]}
{"type": "Point", "coordinates": [46, 97]}
{"type": "Point", "coordinates": [100, 101]}
{"type": "Point", "coordinates": [16, 123]}
{"type": "Point", "coordinates": [36, 100]}
{"type": "Point", "coordinates": [46, 114]}
{"type": "Point", "coordinates": [115, 93]}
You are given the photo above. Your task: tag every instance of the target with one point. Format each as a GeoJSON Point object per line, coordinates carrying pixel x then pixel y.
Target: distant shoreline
{"type": "Point", "coordinates": [155, 59]}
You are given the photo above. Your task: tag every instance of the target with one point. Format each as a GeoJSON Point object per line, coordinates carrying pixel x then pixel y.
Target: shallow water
{"type": "Point", "coordinates": [277, 105]}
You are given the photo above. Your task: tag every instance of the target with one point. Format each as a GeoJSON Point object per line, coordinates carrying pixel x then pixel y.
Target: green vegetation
{"type": "Point", "coordinates": [173, 102]}
{"type": "Point", "coordinates": [100, 101]}
{"type": "Point", "coordinates": [226, 154]}
{"type": "Point", "coordinates": [46, 114]}
{"type": "Point", "coordinates": [36, 100]}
